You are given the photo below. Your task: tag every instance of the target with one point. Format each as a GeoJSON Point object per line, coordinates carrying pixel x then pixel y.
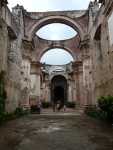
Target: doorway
{"type": "Point", "coordinates": [59, 89]}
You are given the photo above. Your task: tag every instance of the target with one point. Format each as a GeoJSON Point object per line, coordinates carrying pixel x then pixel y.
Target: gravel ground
{"type": "Point", "coordinates": [56, 132]}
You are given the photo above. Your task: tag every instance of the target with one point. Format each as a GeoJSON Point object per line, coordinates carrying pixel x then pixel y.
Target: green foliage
{"type": "Point", "coordinates": [3, 95]}
{"type": "Point", "coordinates": [70, 104]}
{"type": "Point", "coordinates": [104, 111]}
{"type": "Point", "coordinates": [35, 109]}
{"type": "Point", "coordinates": [94, 112]}
{"type": "Point", "coordinates": [19, 112]}
{"type": "Point", "coordinates": [46, 104]}
{"type": "Point", "coordinates": [5, 116]}
{"type": "Point", "coordinates": [106, 106]}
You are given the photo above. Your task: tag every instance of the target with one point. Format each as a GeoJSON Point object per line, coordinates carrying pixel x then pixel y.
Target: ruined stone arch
{"type": "Point", "coordinates": [55, 19]}
{"type": "Point", "coordinates": [58, 74]}
{"type": "Point", "coordinates": [42, 52]}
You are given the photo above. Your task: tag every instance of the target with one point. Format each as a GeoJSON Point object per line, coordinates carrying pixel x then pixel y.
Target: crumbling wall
{"type": "Point", "coordinates": [101, 53]}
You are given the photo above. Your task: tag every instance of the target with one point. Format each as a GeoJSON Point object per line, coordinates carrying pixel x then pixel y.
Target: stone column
{"type": "Point", "coordinates": [25, 82]}
{"type": "Point", "coordinates": [87, 71]}
{"type": "Point", "coordinates": [3, 45]}
{"type": "Point", "coordinates": [69, 91]}
{"type": "Point", "coordinates": [35, 83]}
{"type": "Point", "coordinates": [48, 96]}
{"type": "Point", "coordinates": [78, 77]}
{"type": "Point", "coordinates": [11, 57]}
{"type": "Point", "coordinates": [3, 38]}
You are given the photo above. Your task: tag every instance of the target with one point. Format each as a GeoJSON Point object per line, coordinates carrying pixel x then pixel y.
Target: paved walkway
{"type": "Point", "coordinates": [60, 131]}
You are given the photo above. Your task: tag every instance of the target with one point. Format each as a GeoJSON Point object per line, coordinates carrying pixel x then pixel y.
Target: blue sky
{"type": "Point", "coordinates": [53, 32]}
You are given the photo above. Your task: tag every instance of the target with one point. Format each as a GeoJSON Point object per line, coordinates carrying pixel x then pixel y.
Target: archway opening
{"type": "Point", "coordinates": [56, 56]}
{"type": "Point", "coordinates": [56, 32]}
{"type": "Point", "coordinates": [59, 93]}
{"type": "Point", "coordinates": [59, 89]}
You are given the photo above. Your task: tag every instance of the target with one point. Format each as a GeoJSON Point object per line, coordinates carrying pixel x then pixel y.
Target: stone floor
{"type": "Point", "coordinates": [57, 131]}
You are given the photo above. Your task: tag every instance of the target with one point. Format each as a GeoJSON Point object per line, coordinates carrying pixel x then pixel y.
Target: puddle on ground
{"type": "Point", "coordinates": [49, 129]}
{"type": "Point", "coordinates": [52, 128]}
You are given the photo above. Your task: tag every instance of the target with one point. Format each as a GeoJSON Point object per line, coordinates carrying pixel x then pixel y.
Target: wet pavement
{"type": "Point", "coordinates": [58, 131]}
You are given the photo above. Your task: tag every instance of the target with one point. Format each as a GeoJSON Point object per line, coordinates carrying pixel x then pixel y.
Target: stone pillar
{"type": "Point", "coordinates": [69, 91]}
{"type": "Point", "coordinates": [25, 82]}
{"type": "Point", "coordinates": [3, 38]}
{"type": "Point", "coordinates": [35, 83]}
{"type": "Point", "coordinates": [78, 77]}
{"type": "Point", "coordinates": [74, 89]}
{"type": "Point", "coordinates": [14, 65]}
{"type": "Point", "coordinates": [48, 92]}
{"type": "Point", "coordinates": [3, 45]}
{"type": "Point", "coordinates": [87, 72]}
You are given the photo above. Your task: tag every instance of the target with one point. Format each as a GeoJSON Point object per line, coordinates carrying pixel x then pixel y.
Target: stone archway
{"type": "Point", "coordinates": [31, 30]}
{"type": "Point", "coordinates": [59, 89]}
{"type": "Point", "coordinates": [75, 19]}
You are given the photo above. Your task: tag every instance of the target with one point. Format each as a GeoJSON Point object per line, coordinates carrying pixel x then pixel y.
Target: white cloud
{"type": "Point", "coordinates": [50, 5]}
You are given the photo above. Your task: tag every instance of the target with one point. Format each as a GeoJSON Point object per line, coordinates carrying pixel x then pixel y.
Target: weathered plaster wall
{"type": "Point", "coordinates": [110, 25]}
{"type": "Point", "coordinates": [11, 40]}
{"type": "Point", "coordinates": [101, 53]}
{"type": "Point", "coordinates": [3, 47]}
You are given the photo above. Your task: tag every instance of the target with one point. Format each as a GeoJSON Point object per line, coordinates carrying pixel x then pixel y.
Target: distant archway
{"type": "Point", "coordinates": [59, 89]}
{"type": "Point", "coordinates": [57, 56]}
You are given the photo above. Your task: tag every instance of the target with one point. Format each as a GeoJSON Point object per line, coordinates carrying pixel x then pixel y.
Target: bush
{"type": "Point", "coordinates": [94, 112]}
{"type": "Point", "coordinates": [70, 104]}
{"type": "Point", "coordinates": [5, 116]}
{"type": "Point", "coordinates": [46, 104]}
{"type": "Point", "coordinates": [19, 112]}
{"type": "Point", "coordinates": [35, 109]}
{"type": "Point", "coordinates": [106, 106]}
{"type": "Point", "coordinates": [3, 94]}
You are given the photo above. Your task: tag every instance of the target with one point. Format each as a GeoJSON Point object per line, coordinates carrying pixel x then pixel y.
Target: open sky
{"type": "Point", "coordinates": [50, 5]}
{"type": "Point", "coordinates": [53, 32]}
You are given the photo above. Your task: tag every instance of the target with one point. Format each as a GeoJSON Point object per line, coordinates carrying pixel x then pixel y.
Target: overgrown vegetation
{"type": "Point", "coordinates": [4, 116]}
{"type": "Point", "coordinates": [104, 109]}
{"type": "Point", "coordinates": [3, 95]}
{"type": "Point", "coordinates": [106, 106]}
{"type": "Point", "coordinates": [35, 109]}
{"type": "Point", "coordinates": [46, 104]}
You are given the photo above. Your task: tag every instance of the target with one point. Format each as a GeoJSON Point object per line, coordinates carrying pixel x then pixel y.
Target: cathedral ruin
{"type": "Point", "coordinates": [82, 81]}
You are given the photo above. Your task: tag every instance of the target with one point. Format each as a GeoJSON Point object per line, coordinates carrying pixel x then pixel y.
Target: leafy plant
{"type": "Point", "coordinates": [3, 95]}
{"type": "Point", "coordinates": [46, 104]}
{"type": "Point", "coordinates": [106, 105]}
{"type": "Point", "coordinates": [94, 112]}
{"type": "Point", "coordinates": [35, 109]}
{"type": "Point", "coordinates": [19, 112]}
